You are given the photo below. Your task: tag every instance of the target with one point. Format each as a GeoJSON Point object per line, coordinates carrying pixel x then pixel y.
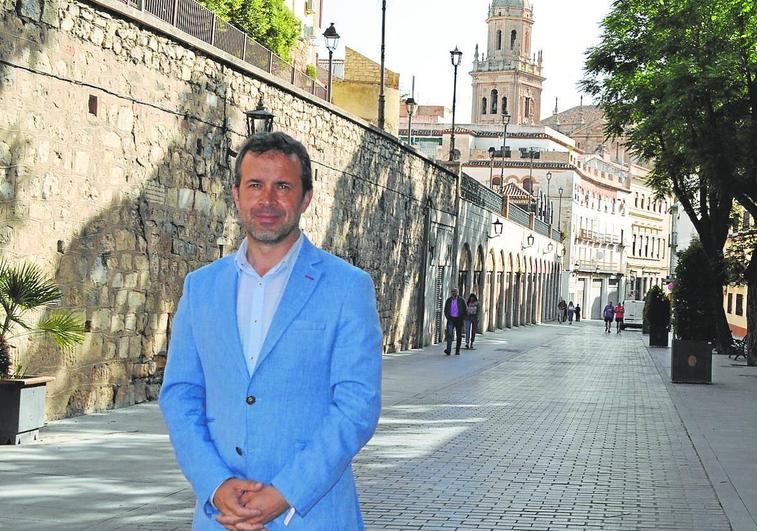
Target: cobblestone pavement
{"type": "Point", "coordinates": [580, 433]}
{"type": "Point", "coordinates": [548, 427]}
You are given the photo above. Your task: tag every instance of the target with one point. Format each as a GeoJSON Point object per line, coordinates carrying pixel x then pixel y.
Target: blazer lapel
{"type": "Point", "coordinates": [299, 289]}
{"type": "Point", "coordinates": [224, 306]}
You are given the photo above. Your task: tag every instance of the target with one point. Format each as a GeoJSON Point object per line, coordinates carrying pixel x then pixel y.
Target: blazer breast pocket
{"type": "Point", "coordinates": [308, 338]}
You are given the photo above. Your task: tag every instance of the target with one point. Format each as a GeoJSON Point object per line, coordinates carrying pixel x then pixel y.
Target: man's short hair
{"type": "Point", "coordinates": [279, 143]}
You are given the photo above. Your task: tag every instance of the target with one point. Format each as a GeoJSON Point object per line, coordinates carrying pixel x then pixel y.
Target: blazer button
{"type": "Point", "coordinates": [239, 450]}
{"type": "Point", "coordinates": [250, 399]}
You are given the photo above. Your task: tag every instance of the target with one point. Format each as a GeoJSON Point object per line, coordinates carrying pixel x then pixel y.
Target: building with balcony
{"type": "Point", "coordinates": [309, 13]}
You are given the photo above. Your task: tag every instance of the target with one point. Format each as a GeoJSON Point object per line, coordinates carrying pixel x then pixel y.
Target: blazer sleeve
{"type": "Point", "coordinates": [182, 401]}
{"type": "Point", "coordinates": [355, 406]}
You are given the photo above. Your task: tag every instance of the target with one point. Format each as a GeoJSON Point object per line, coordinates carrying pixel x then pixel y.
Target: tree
{"type": "Point", "coordinates": [270, 22]}
{"type": "Point", "coordinates": [677, 80]}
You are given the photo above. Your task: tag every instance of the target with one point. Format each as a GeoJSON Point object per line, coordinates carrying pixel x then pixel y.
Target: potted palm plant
{"type": "Point", "coordinates": [657, 314]}
{"type": "Point", "coordinates": [25, 288]}
{"type": "Point", "coordinates": [693, 318]}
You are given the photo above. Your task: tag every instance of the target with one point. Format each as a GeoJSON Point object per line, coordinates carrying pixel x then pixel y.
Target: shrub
{"type": "Point", "coordinates": [693, 313]}
{"type": "Point", "coordinates": [657, 308]}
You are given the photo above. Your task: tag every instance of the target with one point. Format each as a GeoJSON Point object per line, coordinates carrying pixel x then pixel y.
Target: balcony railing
{"type": "Point", "coordinates": [598, 237]}
{"type": "Point", "coordinates": [196, 20]}
{"type": "Point", "coordinates": [593, 266]}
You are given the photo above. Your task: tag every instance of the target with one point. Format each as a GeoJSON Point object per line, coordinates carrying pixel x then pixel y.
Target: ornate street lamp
{"type": "Point", "coordinates": [505, 121]}
{"type": "Point", "coordinates": [549, 201]}
{"type": "Point", "coordinates": [492, 152]}
{"type": "Point", "coordinates": [260, 120]}
{"type": "Point", "coordinates": [332, 41]}
{"type": "Point", "coordinates": [456, 56]}
{"type": "Point", "coordinates": [382, 95]}
{"type": "Point", "coordinates": [411, 108]}
{"type": "Point", "coordinates": [497, 225]}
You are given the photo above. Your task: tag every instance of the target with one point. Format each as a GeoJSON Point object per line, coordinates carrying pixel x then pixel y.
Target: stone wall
{"type": "Point", "coordinates": [114, 177]}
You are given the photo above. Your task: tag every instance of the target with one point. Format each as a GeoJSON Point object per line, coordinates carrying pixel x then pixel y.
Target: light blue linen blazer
{"type": "Point", "coordinates": [312, 403]}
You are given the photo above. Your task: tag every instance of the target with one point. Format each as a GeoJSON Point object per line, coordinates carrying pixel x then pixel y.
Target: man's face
{"type": "Point", "coordinates": [454, 293]}
{"type": "Point", "coordinates": [270, 196]}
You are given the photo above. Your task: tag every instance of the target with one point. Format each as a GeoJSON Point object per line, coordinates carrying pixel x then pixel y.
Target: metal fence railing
{"type": "Point", "coordinates": [556, 235]}
{"type": "Point", "coordinates": [478, 194]}
{"type": "Point", "coordinates": [196, 20]}
{"type": "Point", "coordinates": [518, 215]}
{"type": "Point", "coordinates": [541, 227]}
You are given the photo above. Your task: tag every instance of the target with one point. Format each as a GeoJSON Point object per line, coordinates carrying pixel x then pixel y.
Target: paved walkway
{"type": "Point", "coordinates": [549, 427]}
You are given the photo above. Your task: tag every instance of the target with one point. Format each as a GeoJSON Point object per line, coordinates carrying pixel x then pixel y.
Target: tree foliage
{"type": "Point", "coordinates": [657, 308]}
{"type": "Point", "coordinates": [270, 22]}
{"type": "Point", "coordinates": [677, 80]}
{"type": "Point", "coordinates": [693, 311]}
{"type": "Point", "coordinates": [25, 288]}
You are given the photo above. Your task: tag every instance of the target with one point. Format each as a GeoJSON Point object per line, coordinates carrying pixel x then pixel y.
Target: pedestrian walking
{"type": "Point", "coordinates": [620, 312]}
{"type": "Point", "coordinates": [471, 320]}
{"type": "Point", "coordinates": [455, 310]}
{"type": "Point", "coordinates": [571, 311]}
{"type": "Point", "coordinates": [273, 381]}
{"type": "Point", "coordinates": [562, 310]}
{"type": "Point", "coordinates": [609, 314]}
{"type": "Point", "coordinates": [578, 312]}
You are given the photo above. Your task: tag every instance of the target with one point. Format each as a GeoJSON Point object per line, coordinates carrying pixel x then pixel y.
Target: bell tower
{"type": "Point", "coordinates": [508, 77]}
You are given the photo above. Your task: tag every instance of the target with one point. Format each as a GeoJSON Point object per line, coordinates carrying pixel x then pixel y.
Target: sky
{"type": "Point", "coordinates": [420, 34]}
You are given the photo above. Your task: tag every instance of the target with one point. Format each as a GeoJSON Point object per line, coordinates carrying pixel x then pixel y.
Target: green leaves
{"type": "Point", "coordinates": [24, 288]}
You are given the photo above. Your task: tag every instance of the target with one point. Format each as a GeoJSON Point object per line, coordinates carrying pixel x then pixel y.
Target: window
{"type": "Point", "coordinates": [739, 304]}
{"type": "Point", "coordinates": [633, 248]}
{"type": "Point", "coordinates": [745, 221]}
{"type": "Point", "coordinates": [513, 36]}
{"type": "Point", "coordinates": [636, 199]}
{"type": "Point", "coordinates": [504, 105]}
{"type": "Point", "coordinates": [646, 246]}
{"type": "Point", "coordinates": [499, 39]}
{"type": "Point", "coordinates": [495, 99]}
{"type": "Point", "coordinates": [730, 303]}
{"type": "Point", "coordinates": [484, 105]}
{"type": "Point", "coordinates": [528, 107]}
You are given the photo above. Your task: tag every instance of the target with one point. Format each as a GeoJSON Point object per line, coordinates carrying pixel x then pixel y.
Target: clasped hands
{"type": "Point", "coordinates": [248, 505]}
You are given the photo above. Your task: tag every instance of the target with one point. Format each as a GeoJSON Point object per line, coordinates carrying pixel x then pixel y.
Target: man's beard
{"type": "Point", "coordinates": [272, 236]}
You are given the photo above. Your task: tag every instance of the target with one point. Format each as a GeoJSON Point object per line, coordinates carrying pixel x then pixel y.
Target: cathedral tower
{"type": "Point", "coordinates": [508, 77]}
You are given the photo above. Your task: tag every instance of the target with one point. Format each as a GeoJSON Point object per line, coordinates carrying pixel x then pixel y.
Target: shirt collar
{"type": "Point", "coordinates": [240, 259]}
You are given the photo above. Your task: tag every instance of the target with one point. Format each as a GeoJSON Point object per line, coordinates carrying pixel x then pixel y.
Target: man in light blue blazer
{"type": "Point", "coordinates": [273, 381]}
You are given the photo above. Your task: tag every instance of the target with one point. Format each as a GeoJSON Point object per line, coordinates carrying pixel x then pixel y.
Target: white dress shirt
{"type": "Point", "coordinates": [258, 297]}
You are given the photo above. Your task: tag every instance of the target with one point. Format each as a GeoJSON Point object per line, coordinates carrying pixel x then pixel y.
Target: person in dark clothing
{"type": "Point", "coordinates": [578, 312]}
{"type": "Point", "coordinates": [471, 322]}
{"type": "Point", "coordinates": [455, 310]}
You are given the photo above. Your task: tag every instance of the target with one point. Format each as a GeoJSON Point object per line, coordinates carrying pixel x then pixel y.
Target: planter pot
{"type": "Point", "coordinates": [22, 409]}
{"type": "Point", "coordinates": [691, 361]}
{"type": "Point", "coordinates": [658, 336]}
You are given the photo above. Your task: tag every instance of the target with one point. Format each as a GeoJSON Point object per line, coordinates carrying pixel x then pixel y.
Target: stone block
{"type": "Point", "coordinates": [140, 392]}
{"type": "Point", "coordinates": [31, 9]}
{"type": "Point", "coordinates": [136, 300]}
{"type": "Point", "coordinates": [131, 280]}
{"type": "Point", "coordinates": [202, 203]}
{"type": "Point", "coordinates": [125, 120]}
{"type": "Point", "coordinates": [135, 347]}
{"type": "Point", "coordinates": [123, 347]}
{"type": "Point", "coordinates": [81, 163]}
{"type": "Point", "coordinates": [117, 323]}
{"type": "Point", "coordinates": [130, 323]}
{"type": "Point", "coordinates": [186, 198]}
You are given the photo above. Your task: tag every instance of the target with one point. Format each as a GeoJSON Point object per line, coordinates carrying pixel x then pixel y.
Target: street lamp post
{"type": "Point", "coordinates": [549, 201]}
{"type": "Point", "coordinates": [455, 55]}
{"type": "Point", "coordinates": [332, 41]}
{"type": "Point", "coordinates": [382, 97]}
{"type": "Point", "coordinates": [411, 107]}
{"type": "Point", "coordinates": [505, 121]}
{"type": "Point", "coordinates": [492, 152]}
{"type": "Point", "coordinates": [559, 208]}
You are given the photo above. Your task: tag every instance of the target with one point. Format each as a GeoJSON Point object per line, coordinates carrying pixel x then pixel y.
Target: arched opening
{"type": "Point", "coordinates": [501, 286]}
{"type": "Point", "coordinates": [464, 270]}
{"type": "Point", "coordinates": [495, 98]}
{"type": "Point", "coordinates": [491, 294]}
{"type": "Point", "coordinates": [504, 105]}
{"type": "Point", "coordinates": [513, 37]}
{"type": "Point", "coordinates": [484, 105]}
{"type": "Point", "coordinates": [499, 39]}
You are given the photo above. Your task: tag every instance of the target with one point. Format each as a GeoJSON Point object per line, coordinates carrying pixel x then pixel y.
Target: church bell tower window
{"type": "Point", "coordinates": [499, 39]}
{"type": "Point", "coordinates": [513, 36]}
{"type": "Point", "coordinates": [495, 98]}
{"type": "Point", "coordinates": [484, 105]}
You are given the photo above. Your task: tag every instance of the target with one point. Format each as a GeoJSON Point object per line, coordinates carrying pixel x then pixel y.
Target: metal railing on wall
{"type": "Point", "coordinates": [518, 215]}
{"type": "Point", "coordinates": [478, 194]}
{"type": "Point", "coordinates": [196, 20]}
{"type": "Point", "coordinates": [541, 227]}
